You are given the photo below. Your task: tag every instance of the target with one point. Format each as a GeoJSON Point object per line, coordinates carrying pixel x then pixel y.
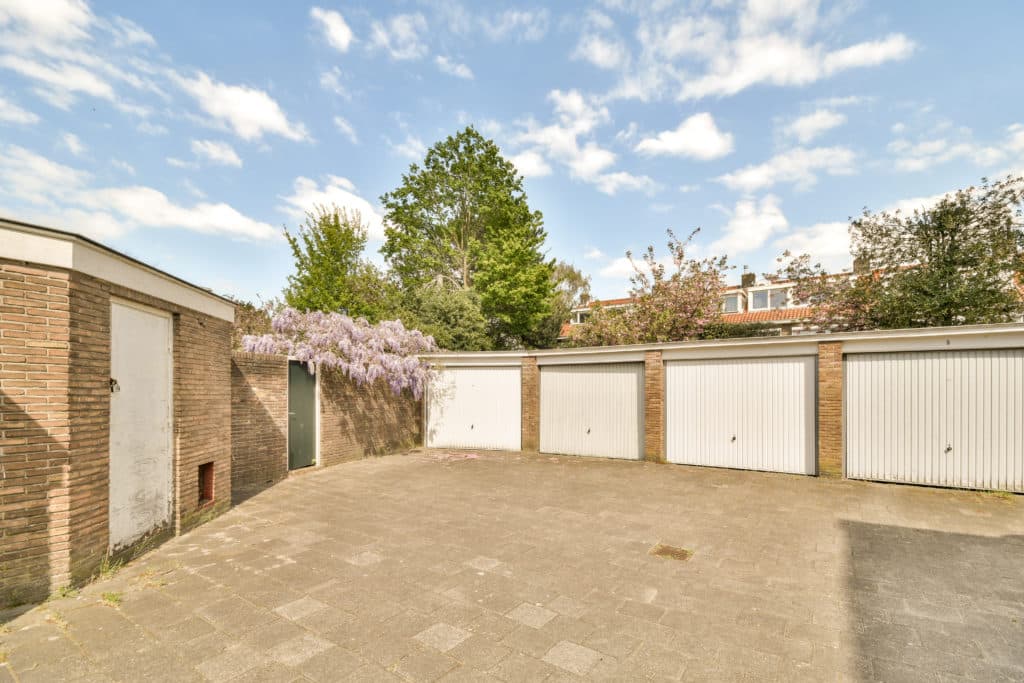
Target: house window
{"type": "Point", "coordinates": [759, 299]}
{"type": "Point", "coordinates": [731, 303]}
{"type": "Point", "coordinates": [779, 298]}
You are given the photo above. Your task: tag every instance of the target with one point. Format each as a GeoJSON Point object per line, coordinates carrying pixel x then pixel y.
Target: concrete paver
{"type": "Point", "coordinates": [515, 567]}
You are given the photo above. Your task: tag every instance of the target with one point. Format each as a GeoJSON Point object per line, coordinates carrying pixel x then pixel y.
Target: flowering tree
{"type": "Point", "coordinates": [669, 304]}
{"type": "Point", "coordinates": [363, 352]}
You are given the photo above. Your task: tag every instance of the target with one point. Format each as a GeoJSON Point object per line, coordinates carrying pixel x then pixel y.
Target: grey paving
{"type": "Point", "coordinates": [513, 567]}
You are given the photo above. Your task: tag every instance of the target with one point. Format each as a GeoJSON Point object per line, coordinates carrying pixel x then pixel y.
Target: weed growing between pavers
{"type": "Point", "coordinates": [64, 592]}
{"type": "Point", "coordinates": [108, 567]}
{"type": "Point", "coordinates": [58, 620]}
{"type": "Point", "coordinates": [112, 599]}
{"type": "Point", "coordinates": [671, 552]}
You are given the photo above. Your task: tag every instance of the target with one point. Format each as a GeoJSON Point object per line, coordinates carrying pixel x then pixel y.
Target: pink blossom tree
{"type": "Point", "coordinates": [364, 352]}
{"type": "Point", "coordinates": [672, 301]}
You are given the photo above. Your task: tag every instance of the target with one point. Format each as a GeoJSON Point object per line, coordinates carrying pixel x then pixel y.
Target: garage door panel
{"type": "Point", "coordinates": [943, 418]}
{"type": "Point", "coordinates": [742, 413]}
{"type": "Point", "coordinates": [592, 410]}
{"type": "Point", "coordinates": [475, 407]}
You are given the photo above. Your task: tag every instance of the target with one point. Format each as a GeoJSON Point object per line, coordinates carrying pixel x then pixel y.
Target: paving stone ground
{"type": "Point", "coordinates": [518, 567]}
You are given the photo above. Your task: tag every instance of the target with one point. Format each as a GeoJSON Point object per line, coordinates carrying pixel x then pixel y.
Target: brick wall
{"type": "Point", "coordinates": [359, 421]}
{"type": "Point", "coordinates": [830, 409]}
{"type": "Point", "coordinates": [654, 407]}
{"type": "Point", "coordinates": [55, 417]}
{"type": "Point", "coordinates": [259, 422]}
{"type": "Point", "coordinates": [530, 390]}
{"type": "Point", "coordinates": [34, 432]}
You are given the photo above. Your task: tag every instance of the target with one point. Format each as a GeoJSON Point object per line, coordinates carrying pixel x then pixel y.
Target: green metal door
{"type": "Point", "coordinates": [301, 416]}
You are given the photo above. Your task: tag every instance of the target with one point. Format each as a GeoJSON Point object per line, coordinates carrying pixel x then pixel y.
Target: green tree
{"type": "Point", "coordinates": [451, 316]}
{"type": "Point", "coordinates": [462, 221]}
{"type": "Point", "coordinates": [572, 289]}
{"type": "Point", "coordinates": [330, 271]}
{"type": "Point", "coordinates": [958, 262]}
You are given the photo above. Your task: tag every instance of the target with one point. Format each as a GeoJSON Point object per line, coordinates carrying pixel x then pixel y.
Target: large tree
{"type": "Point", "coordinates": [670, 303]}
{"type": "Point", "coordinates": [331, 273]}
{"type": "Point", "coordinates": [462, 221]}
{"type": "Point", "coordinates": [572, 289]}
{"type": "Point", "coordinates": [957, 262]}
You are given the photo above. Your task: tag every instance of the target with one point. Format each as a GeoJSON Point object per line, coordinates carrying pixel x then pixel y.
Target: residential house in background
{"type": "Point", "coordinates": [751, 301]}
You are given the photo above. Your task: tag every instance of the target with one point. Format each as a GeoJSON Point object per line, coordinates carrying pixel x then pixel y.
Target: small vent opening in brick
{"type": "Point", "coordinates": [206, 483]}
{"type": "Point", "coordinates": [671, 552]}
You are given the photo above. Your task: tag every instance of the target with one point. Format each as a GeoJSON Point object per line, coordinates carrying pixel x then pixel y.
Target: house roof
{"type": "Point", "coordinates": [775, 315]}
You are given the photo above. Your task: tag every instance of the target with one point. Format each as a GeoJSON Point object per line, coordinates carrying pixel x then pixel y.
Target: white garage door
{"type": "Point", "coordinates": [141, 460]}
{"type": "Point", "coordinates": [752, 414]}
{"type": "Point", "coordinates": [592, 410]}
{"type": "Point", "coordinates": [943, 418]}
{"type": "Point", "coordinates": [475, 407]}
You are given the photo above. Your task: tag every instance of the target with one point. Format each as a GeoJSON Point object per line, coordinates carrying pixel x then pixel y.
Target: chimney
{"type": "Point", "coordinates": [747, 279]}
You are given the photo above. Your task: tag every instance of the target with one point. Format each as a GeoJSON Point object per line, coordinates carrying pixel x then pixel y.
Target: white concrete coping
{"type": "Point", "coordinates": [51, 247]}
{"type": "Point", "coordinates": [1004, 335]}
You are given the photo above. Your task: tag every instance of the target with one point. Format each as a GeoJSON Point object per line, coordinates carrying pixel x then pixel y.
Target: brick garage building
{"type": "Point", "coordinates": [115, 407]}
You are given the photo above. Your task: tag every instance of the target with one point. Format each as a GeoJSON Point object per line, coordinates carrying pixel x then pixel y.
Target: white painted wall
{"type": "Point", "coordinates": [752, 413]}
{"type": "Point", "coordinates": [944, 418]}
{"type": "Point", "coordinates": [594, 409]}
{"type": "Point", "coordinates": [475, 407]}
{"type": "Point", "coordinates": [141, 475]}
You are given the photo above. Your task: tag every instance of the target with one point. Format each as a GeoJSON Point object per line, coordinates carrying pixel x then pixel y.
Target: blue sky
{"type": "Point", "coordinates": [187, 134]}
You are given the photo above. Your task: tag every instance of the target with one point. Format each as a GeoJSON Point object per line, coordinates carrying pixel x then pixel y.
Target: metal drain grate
{"type": "Point", "coordinates": [671, 552]}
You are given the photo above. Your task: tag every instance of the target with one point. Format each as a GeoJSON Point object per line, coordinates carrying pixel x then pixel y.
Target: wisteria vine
{"type": "Point", "coordinates": [363, 352]}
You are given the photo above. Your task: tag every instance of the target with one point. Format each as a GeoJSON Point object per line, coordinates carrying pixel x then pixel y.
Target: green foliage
{"type": "Point", "coordinates": [571, 289]}
{"type": "Point", "coordinates": [958, 262]}
{"type": "Point", "coordinates": [250, 319]}
{"type": "Point", "coordinates": [331, 274]}
{"type": "Point", "coordinates": [452, 317]}
{"type": "Point", "coordinates": [112, 599]}
{"type": "Point", "coordinates": [462, 222]}
{"type": "Point", "coordinates": [724, 330]}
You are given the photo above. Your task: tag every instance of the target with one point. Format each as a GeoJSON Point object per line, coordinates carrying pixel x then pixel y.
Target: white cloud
{"type": "Point", "coordinates": [531, 164]}
{"type": "Point", "coordinates": [152, 128]}
{"type": "Point", "coordinates": [12, 113]}
{"type": "Point", "coordinates": [54, 19]}
{"type": "Point", "coordinates": [927, 154]}
{"type": "Point", "coordinates": [346, 129]}
{"type": "Point", "coordinates": [60, 82]}
{"type": "Point", "coordinates": [411, 147]}
{"type": "Point", "coordinates": [307, 194]}
{"type": "Point", "coordinates": [751, 224]}
{"type": "Point", "coordinates": [334, 27]}
{"type": "Point", "coordinates": [217, 152]}
{"type": "Point", "coordinates": [127, 33]}
{"type": "Point", "coordinates": [697, 137]}
{"type": "Point", "coordinates": [453, 68]}
{"type": "Point", "coordinates": [401, 36]}
{"type": "Point", "coordinates": [528, 25]}
{"type": "Point", "coordinates": [601, 52]}
{"type": "Point", "coordinates": [826, 243]}
{"type": "Point", "coordinates": [331, 82]}
{"type": "Point", "coordinates": [810, 126]}
{"type": "Point", "coordinates": [798, 166]}
{"type": "Point", "coordinates": [249, 112]}
{"type": "Point", "coordinates": [688, 188]}
{"type": "Point", "coordinates": [181, 163]}
{"type": "Point", "coordinates": [593, 254]}
{"type": "Point", "coordinates": [912, 204]}
{"type": "Point", "coordinates": [62, 196]}
{"type": "Point", "coordinates": [122, 165]}
{"type": "Point", "coordinates": [698, 50]}
{"type": "Point", "coordinates": [578, 116]}
{"type": "Point", "coordinates": [145, 206]}
{"type": "Point", "coordinates": [73, 144]}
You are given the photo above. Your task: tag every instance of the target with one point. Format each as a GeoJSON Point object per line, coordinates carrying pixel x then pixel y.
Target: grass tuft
{"type": "Point", "coordinates": [112, 599]}
{"type": "Point", "coordinates": [57, 619]}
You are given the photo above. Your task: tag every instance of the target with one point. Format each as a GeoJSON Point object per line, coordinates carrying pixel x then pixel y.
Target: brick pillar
{"type": "Point", "coordinates": [830, 409]}
{"type": "Point", "coordinates": [531, 404]}
{"type": "Point", "coordinates": [654, 407]}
